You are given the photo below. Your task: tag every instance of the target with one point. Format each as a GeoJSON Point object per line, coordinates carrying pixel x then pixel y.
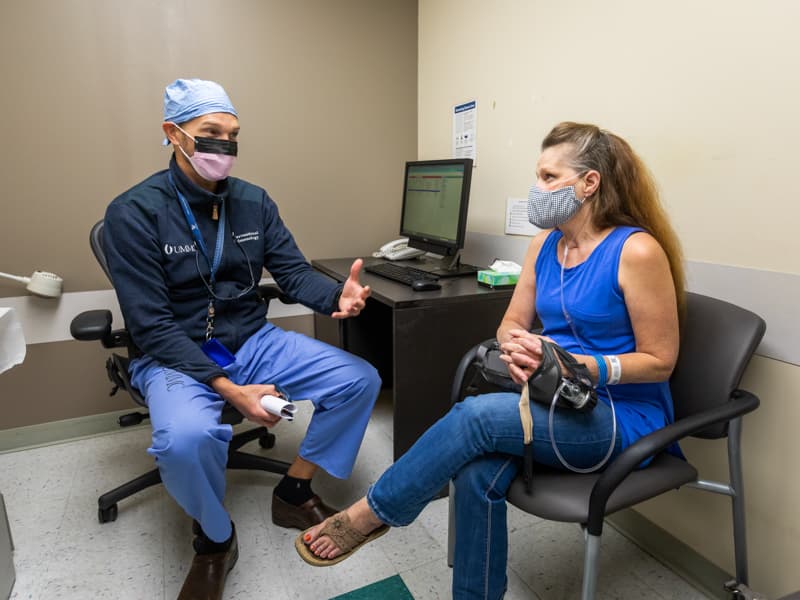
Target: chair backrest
{"type": "Point", "coordinates": [96, 243]}
{"type": "Point", "coordinates": [717, 341]}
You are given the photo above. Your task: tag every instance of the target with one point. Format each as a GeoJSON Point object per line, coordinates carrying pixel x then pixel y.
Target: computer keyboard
{"type": "Point", "coordinates": [400, 273]}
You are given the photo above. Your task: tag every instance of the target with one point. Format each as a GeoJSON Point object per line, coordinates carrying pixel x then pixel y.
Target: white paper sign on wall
{"type": "Point", "coordinates": [517, 218]}
{"type": "Point", "coordinates": [465, 130]}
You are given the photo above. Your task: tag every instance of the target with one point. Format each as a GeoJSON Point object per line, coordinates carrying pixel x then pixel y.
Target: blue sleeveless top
{"type": "Point", "coordinates": [596, 307]}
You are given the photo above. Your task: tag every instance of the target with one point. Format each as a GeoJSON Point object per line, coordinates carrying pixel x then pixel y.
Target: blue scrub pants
{"type": "Point", "coordinates": [477, 445]}
{"type": "Point", "coordinates": [190, 445]}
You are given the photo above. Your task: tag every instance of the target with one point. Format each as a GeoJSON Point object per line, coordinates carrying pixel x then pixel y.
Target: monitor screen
{"type": "Point", "coordinates": [435, 199]}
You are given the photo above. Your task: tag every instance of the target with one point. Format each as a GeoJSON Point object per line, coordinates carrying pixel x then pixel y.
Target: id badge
{"type": "Point", "coordinates": [218, 353]}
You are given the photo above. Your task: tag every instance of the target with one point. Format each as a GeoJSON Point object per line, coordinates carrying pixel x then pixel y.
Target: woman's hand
{"type": "Point", "coordinates": [522, 352]}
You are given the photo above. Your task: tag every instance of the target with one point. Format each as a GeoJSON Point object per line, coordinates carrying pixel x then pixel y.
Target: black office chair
{"type": "Point", "coordinates": [96, 325]}
{"type": "Point", "coordinates": [717, 342]}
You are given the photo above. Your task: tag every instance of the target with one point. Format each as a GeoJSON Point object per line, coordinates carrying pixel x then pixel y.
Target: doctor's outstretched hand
{"type": "Point", "coordinates": [354, 295]}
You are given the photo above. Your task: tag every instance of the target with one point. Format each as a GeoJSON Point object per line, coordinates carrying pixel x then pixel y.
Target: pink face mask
{"type": "Point", "coordinates": [211, 166]}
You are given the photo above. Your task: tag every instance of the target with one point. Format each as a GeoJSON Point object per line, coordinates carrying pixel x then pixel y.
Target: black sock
{"type": "Point", "coordinates": [205, 545]}
{"type": "Point", "coordinates": [294, 491]}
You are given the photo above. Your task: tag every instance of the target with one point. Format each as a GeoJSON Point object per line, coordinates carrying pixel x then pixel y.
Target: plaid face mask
{"type": "Point", "coordinates": [548, 209]}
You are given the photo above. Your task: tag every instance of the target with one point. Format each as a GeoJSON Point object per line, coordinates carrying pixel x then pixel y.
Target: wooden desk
{"type": "Point", "coordinates": [414, 339]}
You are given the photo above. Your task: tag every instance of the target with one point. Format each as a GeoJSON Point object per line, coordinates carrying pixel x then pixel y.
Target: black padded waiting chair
{"type": "Point", "coordinates": [717, 341]}
{"type": "Point", "coordinates": [96, 325]}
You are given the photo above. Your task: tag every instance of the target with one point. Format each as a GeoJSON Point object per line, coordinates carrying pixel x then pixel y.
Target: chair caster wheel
{"type": "Point", "coordinates": [267, 440]}
{"type": "Point", "coordinates": [108, 514]}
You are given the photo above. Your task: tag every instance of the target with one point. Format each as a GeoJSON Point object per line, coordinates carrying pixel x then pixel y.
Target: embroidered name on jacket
{"type": "Point", "coordinates": [247, 237]}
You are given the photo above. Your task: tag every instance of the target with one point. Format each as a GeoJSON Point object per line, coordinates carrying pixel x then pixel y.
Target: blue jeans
{"type": "Point", "coordinates": [190, 444]}
{"type": "Point", "coordinates": [477, 444]}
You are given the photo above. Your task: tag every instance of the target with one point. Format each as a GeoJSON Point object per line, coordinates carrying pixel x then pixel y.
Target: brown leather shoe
{"type": "Point", "coordinates": [206, 577]}
{"type": "Point", "coordinates": [310, 513]}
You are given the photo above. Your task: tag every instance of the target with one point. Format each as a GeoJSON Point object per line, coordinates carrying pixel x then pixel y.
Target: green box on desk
{"type": "Point", "coordinates": [495, 279]}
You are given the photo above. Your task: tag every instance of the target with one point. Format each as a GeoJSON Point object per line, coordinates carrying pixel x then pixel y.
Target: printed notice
{"type": "Point", "coordinates": [517, 218]}
{"type": "Point", "coordinates": [464, 130]}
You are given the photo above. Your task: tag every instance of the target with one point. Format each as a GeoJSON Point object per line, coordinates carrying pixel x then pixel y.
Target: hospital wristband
{"type": "Point", "coordinates": [616, 369]}
{"type": "Point", "coordinates": [602, 370]}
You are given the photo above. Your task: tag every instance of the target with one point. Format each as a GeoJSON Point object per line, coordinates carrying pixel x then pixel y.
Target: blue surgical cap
{"type": "Point", "coordinates": [186, 99]}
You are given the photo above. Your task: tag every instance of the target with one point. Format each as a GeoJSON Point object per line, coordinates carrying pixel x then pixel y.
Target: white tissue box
{"type": "Point", "coordinates": [495, 279]}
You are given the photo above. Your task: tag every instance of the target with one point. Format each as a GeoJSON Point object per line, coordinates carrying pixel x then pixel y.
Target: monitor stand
{"type": "Point", "coordinates": [446, 266]}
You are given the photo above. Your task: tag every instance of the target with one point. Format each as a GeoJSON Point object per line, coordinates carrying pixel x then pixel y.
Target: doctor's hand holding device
{"type": "Point", "coordinates": [278, 406]}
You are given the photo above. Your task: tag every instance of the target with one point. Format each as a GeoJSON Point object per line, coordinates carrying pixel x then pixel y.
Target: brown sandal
{"type": "Point", "coordinates": [344, 535]}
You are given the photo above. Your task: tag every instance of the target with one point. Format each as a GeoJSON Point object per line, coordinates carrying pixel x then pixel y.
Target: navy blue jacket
{"type": "Point", "coordinates": [154, 265]}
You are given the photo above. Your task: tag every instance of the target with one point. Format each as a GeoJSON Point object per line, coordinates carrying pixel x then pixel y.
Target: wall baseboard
{"type": "Point", "coordinates": [67, 430]}
{"type": "Point", "coordinates": [680, 558]}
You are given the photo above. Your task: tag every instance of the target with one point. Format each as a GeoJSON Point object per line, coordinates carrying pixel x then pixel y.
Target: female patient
{"type": "Point", "coordinates": [605, 278]}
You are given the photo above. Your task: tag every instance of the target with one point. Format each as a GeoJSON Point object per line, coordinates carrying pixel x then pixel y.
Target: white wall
{"type": "Point", "coordinates": [707, 93]}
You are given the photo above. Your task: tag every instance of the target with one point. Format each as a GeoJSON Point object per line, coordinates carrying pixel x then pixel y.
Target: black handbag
{"type": "Point", "coordinates": [572, 385]}
{"type": "Point", "coordinates": [567, 388]}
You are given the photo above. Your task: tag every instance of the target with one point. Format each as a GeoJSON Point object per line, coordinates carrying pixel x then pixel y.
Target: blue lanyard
{"type": "Point", "coordinates": [213, 265]}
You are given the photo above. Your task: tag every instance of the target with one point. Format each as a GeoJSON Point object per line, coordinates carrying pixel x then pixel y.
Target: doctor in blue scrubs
{"type": "Point", "coordinates": [186, 248]}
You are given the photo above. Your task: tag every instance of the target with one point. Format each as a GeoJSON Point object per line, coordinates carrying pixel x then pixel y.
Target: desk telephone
{"type": "Point", "coordinates": [398, 250]}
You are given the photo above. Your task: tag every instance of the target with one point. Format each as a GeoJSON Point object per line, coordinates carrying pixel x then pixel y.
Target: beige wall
{"type": "Point", "coordinates": [707, 92]}
{"type": "Point", "coordinates": [326, 94]}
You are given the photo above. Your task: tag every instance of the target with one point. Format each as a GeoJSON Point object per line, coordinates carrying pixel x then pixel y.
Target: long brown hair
{"type": "Point", "coordinates": [627, 194]}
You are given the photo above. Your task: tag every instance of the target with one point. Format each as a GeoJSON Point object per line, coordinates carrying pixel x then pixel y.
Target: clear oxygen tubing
{"type": "Point", "coordinates": [555, 397]}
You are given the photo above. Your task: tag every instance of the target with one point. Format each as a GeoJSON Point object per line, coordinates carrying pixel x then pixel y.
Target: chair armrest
{"type": "Point", "coordinates": [741, 402]}
{"type": "Point", "coordinates": [91, 325]}
{"type": "Point", "coordinates": [269, 291]}
{"type": "Point", "coordinates": [461, 370]}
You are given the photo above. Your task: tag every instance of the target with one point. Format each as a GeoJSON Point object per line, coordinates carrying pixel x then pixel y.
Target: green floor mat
{"type": "Point", "coordinates": [391, 588]}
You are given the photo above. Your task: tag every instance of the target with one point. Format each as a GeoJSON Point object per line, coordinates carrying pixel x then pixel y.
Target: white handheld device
{"type": "Point", "coordinates": [278, 406]}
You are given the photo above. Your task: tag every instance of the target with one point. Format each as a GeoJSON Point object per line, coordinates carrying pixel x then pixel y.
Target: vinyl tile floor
{"type": "Point", "coordinates": [62, 551]}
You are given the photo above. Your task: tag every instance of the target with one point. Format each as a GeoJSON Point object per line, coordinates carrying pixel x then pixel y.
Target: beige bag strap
{"type": "Point", "coordinates": [526, 418]}
{"type": "Point", "coordinates": [525, 414]}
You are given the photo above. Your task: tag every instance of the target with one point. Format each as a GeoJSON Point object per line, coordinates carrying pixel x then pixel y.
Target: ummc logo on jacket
{"type": "Point", "coordinates": [179, 248]}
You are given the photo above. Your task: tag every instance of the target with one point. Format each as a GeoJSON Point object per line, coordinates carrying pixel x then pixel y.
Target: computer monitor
{"type": "Point", "coordinates": [435, 201]}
